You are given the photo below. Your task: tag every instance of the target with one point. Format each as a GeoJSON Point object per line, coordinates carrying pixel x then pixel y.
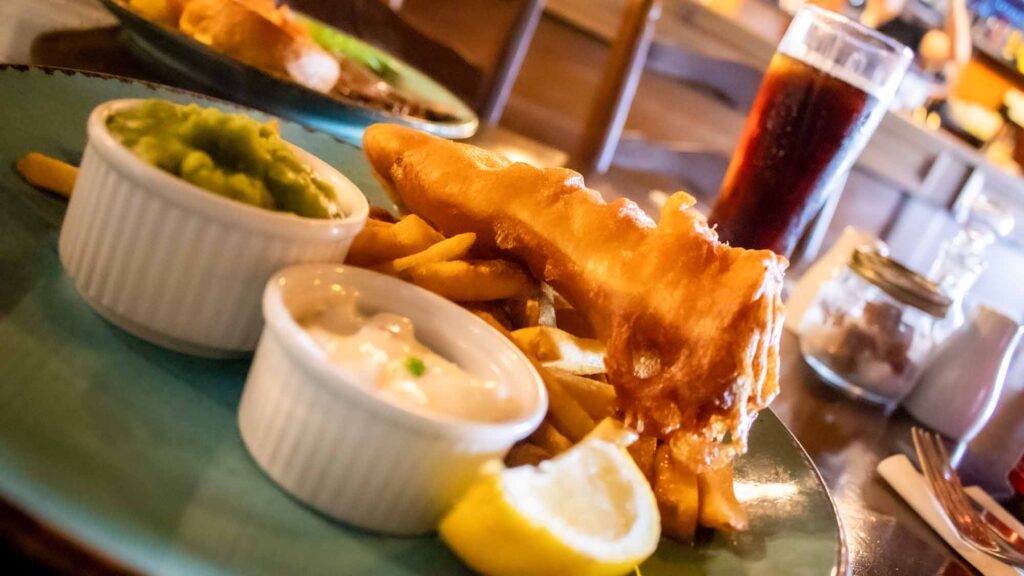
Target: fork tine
{"type": "Point", "coordinates": [922, 445]}
{"type": "Point", "coordinates": [948, 468]}
{"type": "Point", "coordinates": [963, 500]}
{"type": "Point", "coordinates": [922, 456]}
{"type": "Point", "coordinates": [957, 510]}
{"type": "Point", "coordinates": [946, 487]}
{"type": "Point", "coordinates": [942, 472]}
{"type": "Point", "coordinates": [928, 453]}
{"type": "Point", "coordinates": [929, 463]}
{"type": "Point", "coordinates": [956, 489]}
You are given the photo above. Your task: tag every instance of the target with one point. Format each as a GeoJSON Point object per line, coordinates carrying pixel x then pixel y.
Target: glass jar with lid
{"type": "Point", "coordinates": [869, 330]}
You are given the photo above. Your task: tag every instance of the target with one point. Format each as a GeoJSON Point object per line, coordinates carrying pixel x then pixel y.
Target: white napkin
{"type": "Point", "coordinates": [912, 486]}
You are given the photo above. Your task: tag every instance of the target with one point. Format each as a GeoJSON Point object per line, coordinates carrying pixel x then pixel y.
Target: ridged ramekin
{"type": "Point", "coordinates": [180, 266]}
{"type": "Point", "coordinates": [347, 452]}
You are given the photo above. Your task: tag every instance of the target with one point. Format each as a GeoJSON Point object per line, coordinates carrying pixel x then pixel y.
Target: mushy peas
{"type": "Point", "coordinates": [228, 154]}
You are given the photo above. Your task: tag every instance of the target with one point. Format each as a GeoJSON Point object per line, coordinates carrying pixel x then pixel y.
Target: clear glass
{"type": "Point", "coordinates": [864, 342]}
{"type": "Point", "coordinates": [963, 257]}
{"type": "Point", "coordinates": [826, 89]}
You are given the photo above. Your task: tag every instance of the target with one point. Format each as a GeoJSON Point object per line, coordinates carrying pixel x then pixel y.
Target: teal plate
{"type": "Point", "coordinates": [133, 451]}
{"type": "Point", "coordinates": [174, 51]}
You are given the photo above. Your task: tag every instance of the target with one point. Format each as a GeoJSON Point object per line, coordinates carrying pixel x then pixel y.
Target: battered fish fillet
{"type": "Point", "coordinates": [692, 326]}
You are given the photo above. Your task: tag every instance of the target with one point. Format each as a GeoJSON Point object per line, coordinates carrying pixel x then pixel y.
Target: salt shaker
{"type": "Point", "coordinates": [990, 456]}
{"type": "Point", "coordinates": [958, 391]}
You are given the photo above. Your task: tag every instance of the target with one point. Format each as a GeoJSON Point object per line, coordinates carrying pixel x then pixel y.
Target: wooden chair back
{"type": "Point", "coordinates": [632, 51]}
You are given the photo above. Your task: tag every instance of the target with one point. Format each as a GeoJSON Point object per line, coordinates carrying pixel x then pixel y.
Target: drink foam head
{"type": "Point", "coordinates": [847, 50]}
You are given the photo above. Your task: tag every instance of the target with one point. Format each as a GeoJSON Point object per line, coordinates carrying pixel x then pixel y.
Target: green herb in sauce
{"type": "Point", "coordinates": [415, 366]}
{"type": "Point", "coordinates": [228, 154]}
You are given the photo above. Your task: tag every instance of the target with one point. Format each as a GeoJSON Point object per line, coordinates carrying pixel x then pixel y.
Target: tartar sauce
{"type": "Point", "coordinates": [382, 353]}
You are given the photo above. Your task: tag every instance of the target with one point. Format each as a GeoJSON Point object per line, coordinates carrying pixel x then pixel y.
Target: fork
{"type": "Point", "coordinates": [999, 541]}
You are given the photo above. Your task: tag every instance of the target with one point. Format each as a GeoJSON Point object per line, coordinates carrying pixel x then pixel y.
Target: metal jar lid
{"type": "Point", "coordinates": [900, 282]}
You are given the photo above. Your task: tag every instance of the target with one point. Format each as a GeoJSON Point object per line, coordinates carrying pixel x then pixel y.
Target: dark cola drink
{"type": "Point", "coordinates": [817, 106]}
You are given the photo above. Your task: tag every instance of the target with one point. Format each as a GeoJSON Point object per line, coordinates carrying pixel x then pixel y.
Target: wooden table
{"type": "Point", "coordinates": [846, 440]}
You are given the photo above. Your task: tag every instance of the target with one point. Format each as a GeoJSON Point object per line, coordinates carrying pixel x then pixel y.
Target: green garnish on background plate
{"type": "Point", "coordinates": [342, 44]}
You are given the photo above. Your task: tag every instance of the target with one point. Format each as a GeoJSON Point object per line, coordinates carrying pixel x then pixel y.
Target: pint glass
{"type": "Point", "coordinates": [825, 91]}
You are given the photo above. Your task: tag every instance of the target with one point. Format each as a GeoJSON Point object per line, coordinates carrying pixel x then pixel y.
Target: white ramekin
{"type": "Point", "coordinates": [345, 451]}
{"type": "Point", "coordinates": [180, 266]}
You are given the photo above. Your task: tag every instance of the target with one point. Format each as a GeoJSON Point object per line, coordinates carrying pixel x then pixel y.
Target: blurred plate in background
{"type": "Point", "coordinates": [232, 79]}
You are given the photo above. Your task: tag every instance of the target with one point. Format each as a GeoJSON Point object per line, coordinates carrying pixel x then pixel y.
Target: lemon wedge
{"type": "Point", "coordinates": [586, 512]}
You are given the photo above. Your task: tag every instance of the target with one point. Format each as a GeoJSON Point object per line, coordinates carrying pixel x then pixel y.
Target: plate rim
{"type": "Point", "coordinates": [115, 564]}
{"type": "Point", "coordinates": [112, 564]}
{"type": "Point", "coordinates": [50, 70]}
{"type": "Point", "coordinates": [842, 563]}
{"type": "Point", "coordinates": [43, 528]}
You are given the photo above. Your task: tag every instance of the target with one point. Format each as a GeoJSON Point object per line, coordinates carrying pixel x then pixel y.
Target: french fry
{"type": "Point", "coordinates": [381, 215]}
{"type": "Point", "coordinates": [546, 314]}
{"type": "Point", "coordinates": [524, 453]}
{"type": "Point", "coordinates": [677, 492]}
{"type": "Point", "coordinates": [570, 320]}
{"type": "Point", "coordinates": [48, 173]}
{"type": "Point", "coordinates": [719, 507]}
{"type": "Point", "coordinates": [559, 349]}
{"type": "Point", "coordinates": [550, 439]}
{"type": "Point", "coordinates": [567, 415]}
{"type": "Point", "coordinates": [614, 431]}
{"type": "Point", "coordinates": [546, 343]}
{"type": "Point", "coordinates": [643, 451]}
{"type": "Point", "coordinates": [416, 232]}
{"type": "Point", "coordinates": [569, 359]}
{"type": "Point", "coordinates": [597, 398]}
{"type": "Point", "coordinates": [382, 241]}
{"type": "Point", "coordinates": [525, 312]}
{"type": "Point", "coordinates": [472, 280]}
{"type": "Point", "coordinates": [559, 302]}
{"type": "Point", "coordinates": [492, 314]}
{"type": "Point", "coordinates": [448, 249]}
{"type": "Point", "coordinates": [488, 317]}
